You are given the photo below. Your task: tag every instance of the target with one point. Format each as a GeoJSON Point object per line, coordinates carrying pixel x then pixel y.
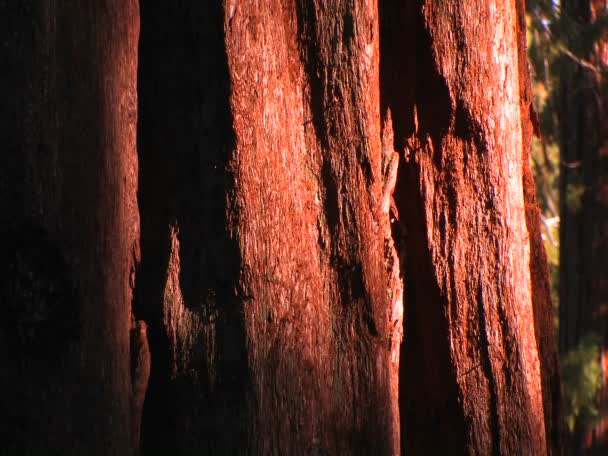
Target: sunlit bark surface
{"type": "Point", "coordinates": [282, 305]}
{"type": "Point", "coordinates": [470, 368]}
{"type": "Point", "coordinates": [301, 113]}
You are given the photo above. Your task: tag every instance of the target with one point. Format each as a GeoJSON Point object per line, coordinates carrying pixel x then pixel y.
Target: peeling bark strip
{"type": "Point", "coordinates": [69, 220]}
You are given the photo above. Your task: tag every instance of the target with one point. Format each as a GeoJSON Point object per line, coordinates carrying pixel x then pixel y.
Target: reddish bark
{"type": "Point", "coordinates": [296, 316]}
{"type": "Point", "coordinates": [544, 319]}
{"type": "Point", "coordinates": [299, 160]}
{"type": "Point", "coordinates": [469, 323]}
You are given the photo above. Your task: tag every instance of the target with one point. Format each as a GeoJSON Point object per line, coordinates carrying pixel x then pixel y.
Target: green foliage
{"type": "Point", "coordinates": [563, 40]}
{"type": "Point", "coordinates": [581, 382]}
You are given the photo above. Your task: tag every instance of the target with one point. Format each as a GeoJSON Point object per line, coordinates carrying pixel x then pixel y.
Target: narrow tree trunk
{"type": "Point", "coordinates": [69, 220]}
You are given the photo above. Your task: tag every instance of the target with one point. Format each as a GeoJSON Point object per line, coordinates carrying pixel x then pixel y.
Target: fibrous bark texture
{"type": "Point", "coordinates": [262, 179]}
{"type": "Point", "coordinates": [305, 167]}
{"type": "Point", "coordinates": [291, 126]}
{"type": "Point", "coordinates": [470, 362]}
{"type": "Point", "coordinates": [69, 221]}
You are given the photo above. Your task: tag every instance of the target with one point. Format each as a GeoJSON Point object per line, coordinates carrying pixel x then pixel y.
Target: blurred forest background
{"type": "Point", "coordinates": [568, 53]}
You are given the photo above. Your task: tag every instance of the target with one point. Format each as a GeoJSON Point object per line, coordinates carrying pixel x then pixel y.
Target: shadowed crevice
{"type": "Point", "coordinates": [308, 44]}
{"type": "Point", "coordinates": [185, 144]}
{"type": "Point", "coordinates": [433, 102]}
{"type": "Point", "coordinates": [397, 68]}
{"type": "Point", "coordinates": [428, 392]}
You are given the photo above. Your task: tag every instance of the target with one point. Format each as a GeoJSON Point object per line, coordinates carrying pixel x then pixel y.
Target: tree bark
{"type": "Point", "coordinates": [544, 314]}
{"type": "Point", "coordinates": [300, 163]}
{"type": "Point", "coordinates": [280, 323]}
{"type": "Point", "coordinates": [70, 225]}
{"type": "Point", "coordinates": [471, 363]}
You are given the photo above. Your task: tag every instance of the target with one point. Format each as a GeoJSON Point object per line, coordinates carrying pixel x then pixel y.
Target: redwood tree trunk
{"type": "Point", "coordinates": [301, 163]}
{"type": "Point", "coordinates": [273, 288]}
{"type": "Point", "coordinates": [471, 366]}
{"type": "Point", "coordinates": [69, 221]}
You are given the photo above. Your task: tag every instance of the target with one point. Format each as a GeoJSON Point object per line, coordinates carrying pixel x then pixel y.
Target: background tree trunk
{"type": "Point", "coordinates": [584, 199]}
{"type": "Point", "coordinates": [299, 161]}
{"type": "Point", "coordinates": [69, 220]}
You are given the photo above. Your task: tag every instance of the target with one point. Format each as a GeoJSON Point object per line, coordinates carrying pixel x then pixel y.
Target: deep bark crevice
{"type": "Point", "coordinates": [428, 398]}
{"type": "Point", "coordinates": [433, 101]}
{"type": "Point", "coordinates": [308, 46]}
{"type": "Point", "coordinates": [397, 71]}
{"type": "Point", "coordinates": [185, 146]}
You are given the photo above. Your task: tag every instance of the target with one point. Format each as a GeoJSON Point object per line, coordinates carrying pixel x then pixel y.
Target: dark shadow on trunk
{"type": "Point", "coordinates": [185, 144]}
{"type": "Point", "coordinates": [427, 390]}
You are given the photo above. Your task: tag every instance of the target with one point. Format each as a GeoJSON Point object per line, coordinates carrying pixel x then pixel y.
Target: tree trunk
{"type": "Point", "coordinates": [300, 163]}
{"type": "Point", "coordinates": [70, 225]}
{"type": "Point", "coordinates": [584, 203]}
{"type": "Point", "coordinates": [471, 361]}
{"type": "Point", "coordinates": [272, 286]}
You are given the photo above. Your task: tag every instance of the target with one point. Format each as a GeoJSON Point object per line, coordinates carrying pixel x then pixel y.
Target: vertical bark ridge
{"type": "Point", "coordinates": [325, 301]}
